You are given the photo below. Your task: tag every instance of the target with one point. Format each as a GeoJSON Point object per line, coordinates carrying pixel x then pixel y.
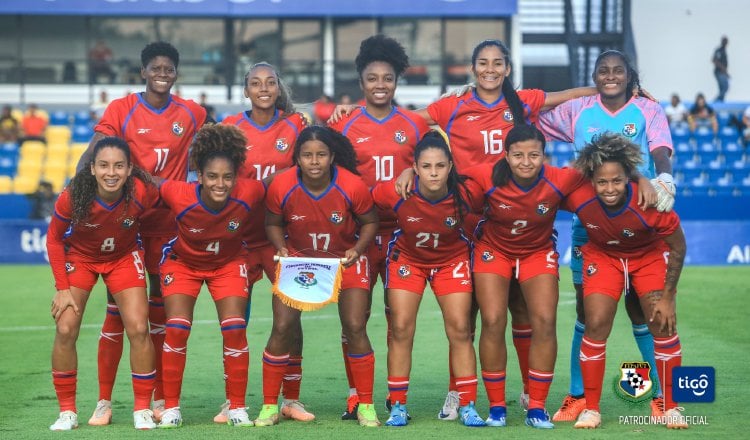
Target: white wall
{"type": "Point", "coordinates": [675, 40]}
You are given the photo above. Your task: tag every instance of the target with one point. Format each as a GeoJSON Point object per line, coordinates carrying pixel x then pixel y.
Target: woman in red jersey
{"type": "Point", "coordinates": [430, 245]}
{"type": "Point", "coordinates": [94, 232]}
{"type": "Point", "coordinates": [321, 207]}
{"type": "Point", "coordinates": [271, 127]}
{"type": "Point", "coordinates": [628, 247]}
{"type": "Point", "coordinates": [208, 249]}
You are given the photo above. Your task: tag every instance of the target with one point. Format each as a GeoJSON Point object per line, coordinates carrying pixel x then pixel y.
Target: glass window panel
{"type": "Point", "coordinates": [201, 46]}
{"type": "Point", "coordinates": [460, 38]}
{"type": "Point", "coordinates": [48, 43]}
{"type": "Point", "coordinates": [256, 41]}
{"type": "Point", "coordinates": [302, 53]}
{"type": "Point", "coordinates": [421, 40]}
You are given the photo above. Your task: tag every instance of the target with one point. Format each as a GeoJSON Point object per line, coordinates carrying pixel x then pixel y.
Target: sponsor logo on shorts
{"type": "Point", "coordinates": [177, 128]}
{"type": "Point", "coordinates": [634, 382]}
{"type": "Point", "coordinates": [629, 129]}
{"type": "Point", "coordinates": [336, 217]}
{"type": "Point", "coordinates": [693, 384]}
{"type": "Point", "coordinates": [404, 271]}
{"type": "Point", "coordinates": [400, 137]}
{"type": "Point", "coordinates": [487, 256]}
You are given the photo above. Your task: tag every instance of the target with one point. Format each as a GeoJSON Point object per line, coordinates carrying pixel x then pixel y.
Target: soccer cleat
{"type": "Point", "coordinates": [675, 419]}
{"type": "Point", "coordinates": [351, 408]}
{"type": "Point", "coordinates": [238, 417]}
{"type": "Point", "coordinates": [158, 409]}
{"type": "Point", "coordinates": [450, 407]}
{"type": "Point", "coordinates": [102, 414]}
{"type": "Point", "coordinates": [269, 416]}
{"type": "Point", "coordinates": [367, 416]}
{"type": "Point", "coordinates": [143, 419]}
{"type": "Point", "coordinates": [657, 407]}
{"type": "Point", "coordinates": [538, 418]}
{"type": "Point", "coordinates": [223, 416]}
{"type": "Point", "coordinates": [294, 409]}
{"type": "Point", "coordinates": [469, 416]}
{"type": "Point", "coordinates": [523, 400]}
{"type": "Point", "coordinates": [171, 418]}
{"type": "Point", "coordinates": [570, 409]}
{"type": "Point", "coordinates": [65, 422]}
{"type": "Point", "coordinates": [589, 419]}
{"type": "Point", "coordinates": [399, 415]}
{"type": "Point", "coordinates": [496, 417]}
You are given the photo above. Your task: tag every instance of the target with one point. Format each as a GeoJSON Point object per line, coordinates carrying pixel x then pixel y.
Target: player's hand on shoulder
{"type": "Point", "coordinates": [340, 112]}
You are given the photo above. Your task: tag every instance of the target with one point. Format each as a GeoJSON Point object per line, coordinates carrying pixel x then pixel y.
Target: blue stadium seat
{"type": "Point", "coordinates": [680, 134]}
{"type": "Point", "coordinates": [82, 133]}
{"type": "Point", "coordinates": [703, 135]}
{"type": "Point", "coordinates": [59, 117]}
{"type": "Point", "coordinates": [714, 175]}
{"type": "Point", "coordinates": [709, 158]}
{"type": "Point", "coordinates": [728, 135]}
{"type": "Point", "coordinates": [683, 147]}
{"type": "Point", "coordinates": [81, 118]}
{"type": "Point", "coordinates": [689, 176]}
{"type": "Point", "coordinates": [723, 116]}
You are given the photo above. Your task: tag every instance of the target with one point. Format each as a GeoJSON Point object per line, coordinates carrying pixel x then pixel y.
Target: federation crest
{"type": "Point", "coordinates": [577, 252]}
{"type": "Point", "coordinates": [450, 222]}
{"type": "Point", "coordinates": [128, 222]}
{"type": "Point", "coordinates": [542, 208]}
{"type": "Point", "coordinates": [336, 217]}
{"type": "Point", "coordinates": [487, 256]}
{"type": "Point", "coordinates": [168, 279]}
{"type": "Point", "coordinates": [305, 279]}
{"type": "Point", "coordinates": [508, 115]}
{"type": "Point", "coordinates": [404, 271]}
{"type": "Point", "coordinates": [69, 267]}
{"type": "Point", "coordinates": [628, 233]}
{"type": "Point", "coordinates": [591, 269]}
{"type": "Point", "coordinates": [400, 137]}
{"type": "Point", "coordinates": [629, 129]}
{"type": "Point", "coordinates": [177, 128]}
{"type": "Point", "coordinates": [282, 145]}
{"type": "Point", "coordinates": [233, 225]}
{"type": "Point", "coordinates": [634, 382]}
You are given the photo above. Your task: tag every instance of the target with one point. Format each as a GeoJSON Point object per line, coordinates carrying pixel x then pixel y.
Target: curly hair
{"type": "Point", "coordinates": [340, 146]}
{"type": "Point", "coordinates": [381, 48]}
{"type": "Point", "coordinates": [634, 80]}
{"type": "Point", "coordinates": [514, 101]}
{"type": "Point", "coordinates": [159, 49]}
{"type": "Point", "coordinates": [609, 147]}
{"type": "Point", "coordinates": [501, 172]}
{"type": "Point", "coordinates": [284, 100]}
{"type": "Point", "coordinates": [455, 183]}
{"type": "Point", "coordinates": [84, 188]}
{"type": "Point", "coordinates": [218, 140]}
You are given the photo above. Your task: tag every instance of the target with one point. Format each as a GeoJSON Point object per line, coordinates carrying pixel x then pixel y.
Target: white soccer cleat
{"type": "Point", "coordinates": [589, 419]}
{"type": "Point", "coordinates": [239, 417]}
{"type": "Point", "coordinates": [675, 419]}
{"type": "Point", "coordinates": [450, 407]}
{"type": "Point", "coordinates": [223, 416]}
{"type": "Point", "coordinates": [102, 414]}
{"type": "Point", "coordinates": [171, 418]}
{"type": "Point", "coordinates": [65, 422]}
{"type": "Point", "coordinates": [144, 419]}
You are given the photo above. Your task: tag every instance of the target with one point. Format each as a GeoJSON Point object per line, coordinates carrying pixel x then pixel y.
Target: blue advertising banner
{"type": "Point", "coordinates": [264, 8]}
{"type": "Point", "coordinates": [709, 242]}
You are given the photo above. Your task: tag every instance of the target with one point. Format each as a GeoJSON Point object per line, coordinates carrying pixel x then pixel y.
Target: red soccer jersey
{"type": "Point", "coordinates": [207, 239]}
{"type": "Point", "coordinates": [477, 129]}
{"type": "Point", "coordinates": [323, 225]}
{"type": "Point", "coordinates": [627, 233]}
{"type": "Point", "coordinates": [384, 147]}
{"type": "Point", "coordinates": [429, 233]}
{"type": "Point", "coordinates": [519, 219]}
{"type": "Point", "coordinates": [108, 233]}
{"type": "Point", "coordinates": [269, 149]}
{"type": "Point", "coordinates": [159, 142]}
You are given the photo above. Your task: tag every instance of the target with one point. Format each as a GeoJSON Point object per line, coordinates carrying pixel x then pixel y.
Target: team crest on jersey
{"type": "Point", "coordinates": [577, 252]}
{"type": "Point", "coordinates": [629, 129]}
{"type": "Point", "coordinates": [634, 382]}
{"type": "Point", "coordinates": [177, 128]}
{"type": "Point", "coordinates": [591, 269]}
{"type": "Point", "coordinates": [628, 233]}
{"type": "Point", "coordinates": [336, 217]}
{"type": "Point", "coordinates": [233, 225]}
{"type": "Point", "coordinates": [450, 222]}
{"type": "Point", "coordinates": [400, 137]}
{"type": "Point", "coordinates": [487, 256]}
{"type": "Point", "coordinates": [542, 208]}
{"type": "Point", "coordinates": [128, 222]}
{"type": "Point", "coordinates": [282, 145]}
{"type": "Point", "coordinates": [168, 279]}
{"type": "Point", "coordinates": [69, 267]}
{"type": "Point", "coordinates": [305, 279]}
{"type": "Point", "coordinates": [508, 115]}
{"type": "Point", "coordinates": [404, 271]}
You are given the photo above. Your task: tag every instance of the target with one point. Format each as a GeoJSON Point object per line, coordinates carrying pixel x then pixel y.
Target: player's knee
{"type": "Point", "coordinates": [67, 333]}
{"type": "Point", "coordinates": [402, 329]}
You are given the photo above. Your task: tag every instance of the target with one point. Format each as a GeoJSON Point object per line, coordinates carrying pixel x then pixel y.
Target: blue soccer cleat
{"type": "Point", "coordinates": [496, 417]}
{"type": "Point", "coordinates": [469, 417]}
{"type": "Point", "coordinates": [538, 418]}
{"type": "Point", "coordinates": [399, 416]}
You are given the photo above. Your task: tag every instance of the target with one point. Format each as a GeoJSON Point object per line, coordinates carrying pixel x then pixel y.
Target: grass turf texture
{"type": "Point", "coordinates": [711, 320]}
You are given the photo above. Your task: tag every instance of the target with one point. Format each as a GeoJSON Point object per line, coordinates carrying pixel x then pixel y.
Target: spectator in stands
{"type": "Point", "coordinates": [101, 104]}
{"type": "Point", "coordinates": [676, 111]}
{"type": "Point", "coordinates": [43, 201]}
{"type": "Point", "coordinates": [720, 68]}
{"type": "Point", "coordinates": [701, 114]}
{"type": "Point", "coordinates": [34, 124]}
{"type": "Point", "coordinates": [100, 62]}
{"type": "Point", "coordinates": [9, 130]}
{"type": "Point", "coordinates": [210, 109]}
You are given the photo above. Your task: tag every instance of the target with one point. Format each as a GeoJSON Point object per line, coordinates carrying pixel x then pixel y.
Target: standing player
{"type": "Point", "coordinates": [320, 208]}
{"type": "Point", "coordinates": [271, 127]}
{"type": "Point", "coordinates": [94, 231]}
{"type": "Point", "coordinates": [159, 127]}
{"type": "Point", "coordinates": [430, 245]}
{"type": "Point", "coordinates": [627, 247]}
{"type": "Point", "coordinates": [383, 136]}
{"type": "Point", "coordinates": [208, 249]}
{"type": "Point", "coordinates": [614, 109]}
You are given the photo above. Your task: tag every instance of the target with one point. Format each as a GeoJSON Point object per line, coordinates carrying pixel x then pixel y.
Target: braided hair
{"type": "Point", "coordinates": [83, 186]}
{"type": "Point", "coordinates": [284, 100]}
{"type": "Point", "coordinates": [381, 48]}
{"type": "Point", "coordinates": [501, 172]}
{"type": "Point", "coordinates": [339, 145]}
{"type": "Point", "coordinates": [634, 80]}
{"type": "Point", "coordinates": [609, 147]}
{"type": "Point", "coordinates": [514, 101]}
{"type": "Point", "coordinates": [218, 141]}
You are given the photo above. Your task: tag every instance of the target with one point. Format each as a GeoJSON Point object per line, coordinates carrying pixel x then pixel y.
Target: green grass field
{"type": "Point", "coordinates": [712, 325]}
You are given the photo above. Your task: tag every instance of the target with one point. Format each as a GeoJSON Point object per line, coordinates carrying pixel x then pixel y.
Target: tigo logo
{"type": "Point", "coordinates": [693, 384]}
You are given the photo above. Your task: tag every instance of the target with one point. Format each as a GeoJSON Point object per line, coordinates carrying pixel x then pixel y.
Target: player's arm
{"type": "Point", "coordinates": [553, 99]}
{"type": "Point", "coordinates": [275, 233]}
{"type": "Point", "coordinates": [368, 227]}
{"type": "Point", "coordinates": [87, 155]}
{"type": "Point", "coordinates": [665, 308]}
{"type": "Point", "coordinates": [424, 114]}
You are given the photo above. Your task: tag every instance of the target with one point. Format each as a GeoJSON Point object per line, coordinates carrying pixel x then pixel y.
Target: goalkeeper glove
{"type": "Point", "coordinates": [665, 192]}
